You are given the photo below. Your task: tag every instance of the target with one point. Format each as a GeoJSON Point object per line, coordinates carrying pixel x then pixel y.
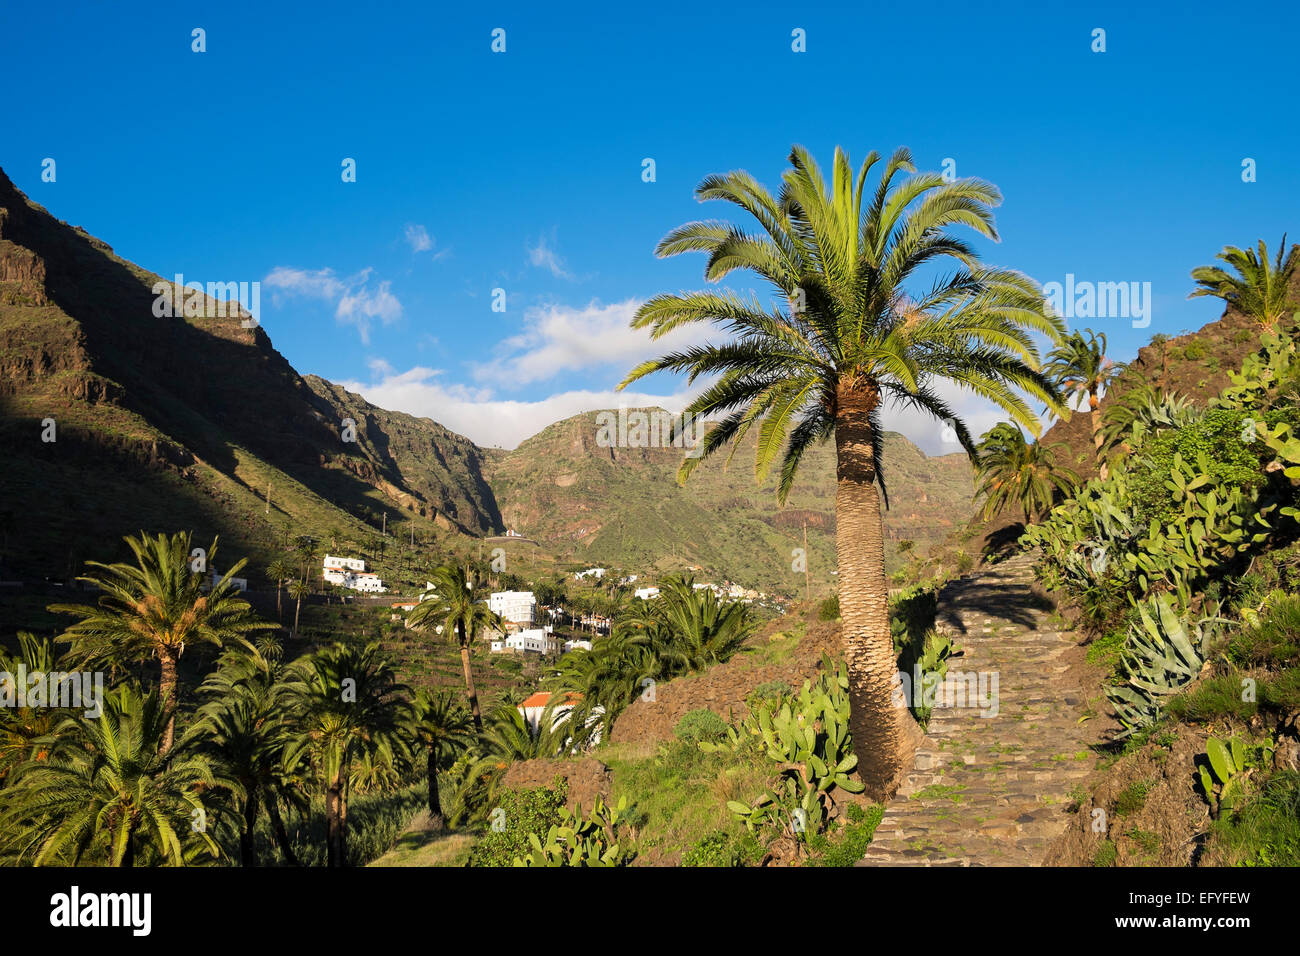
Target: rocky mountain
{"type": "Point", "coordinates": [115, 418]}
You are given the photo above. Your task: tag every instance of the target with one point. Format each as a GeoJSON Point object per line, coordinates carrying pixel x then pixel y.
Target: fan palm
{"type": "Point", "coordinates": [1014, 473]}
{"type": "Point", "coordinates": [111, 792]}
{"type": "Point", "coordinates": [1079, 368]}
{"type": "Point", "coordinates": [852, 340]}
{"type": "Point", "coordinates": [1259, 290]}
{"type": "Point", "coordinates": [156, 608]}
{"type": "Point", "coordinates": [451, 603]}
{"type": "Point", "coordinates": [441, 728]}
{"type": "Point", "coordinates": [345, 703]}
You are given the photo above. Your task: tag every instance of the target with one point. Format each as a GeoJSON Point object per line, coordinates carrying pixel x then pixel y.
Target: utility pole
{"type": "Point", "coordinates": [268, 497]}
{"type": "Point", "coordinates": [806, 596]}
{"type": "Point", "coordinates": [385, 531]}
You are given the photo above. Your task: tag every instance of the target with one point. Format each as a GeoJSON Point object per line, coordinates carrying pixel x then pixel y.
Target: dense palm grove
{"type": "Point", "coordinates": [275, 761]}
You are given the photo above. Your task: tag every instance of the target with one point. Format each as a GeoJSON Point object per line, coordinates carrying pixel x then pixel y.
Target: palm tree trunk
{"type": "Point", "coordinates": [247, 847]}
{"type": "Point", "coordinates": [885, 736]}
{"type": "Point", "coordinates": [167, 686]}
{"type": "Point", "coordinates": [296, 611]}
{"type": "Point", "coordinates": [469, 677]}
{"type": "Point", "coordinates": [281, 835]}
{"type": "Point", "coordinates": [279, 586]}
{"type": "Point", "coordinates": [1095, 412]}
{"type": "Point", "coordinates": [333, 824]}
{"type": "Point", "coordinates": [435, 802]}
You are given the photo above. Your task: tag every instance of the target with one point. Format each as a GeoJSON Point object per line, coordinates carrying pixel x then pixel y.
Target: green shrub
{"type": "Point", "coordinates": [1216, 435]}
{"type": "Point", "coordinates": [829, 609]}
{"type": "Point", "coordinates": [521, 813]}
{"type": "Point", "coordinates": [1107, 651]}
{"type": "Point", "coordinates": [1132, 798]}
{"type": "Point", "coordinates": [1212, 699]}
{"type": "Point", "coordinates": [1195, 351]}
{"type": "Point", "coordinates": [1264, 831]}
{"type": "Point", "coordinates": [723, 849]}
{"type": "Point", "coordinates": [768, 692]}
{"type": "Point", "coordinates": [847, 844]}
{"type": "Point", "coordinates": [698, 725]}
{"type": "Point", "coordinates": [1106, 854]}
{"type": "Point", "coordinates": [1274, 640]}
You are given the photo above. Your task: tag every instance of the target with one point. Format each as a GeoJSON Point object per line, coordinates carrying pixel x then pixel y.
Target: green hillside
{"type": "Point", "coordinates": [622, 507]}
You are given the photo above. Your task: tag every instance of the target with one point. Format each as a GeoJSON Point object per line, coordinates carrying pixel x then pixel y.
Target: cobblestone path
{"type": "Point", "coordinates": [992, 790]}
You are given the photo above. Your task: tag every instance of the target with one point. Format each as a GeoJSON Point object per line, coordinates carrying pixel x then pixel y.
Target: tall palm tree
{"type": "Point", "coordinates": [1079, 367]}
{"type": "Point", "coordinates": [156, 608]}
{"type": "Point", "coordinates": [854, 338]}
{"type": "Point", "coordinates": [1014, 473]}
{"type": "Point", "coordinates": [451, 603]}
{"type": "Point", "coordinates": [441, 728]}
{"type": "Point", "coordinates": [111, 791]}
{"type": "Point", "coordinates": [308, 549]}
{"type": "Point", "coordinates": [279, 571]}
{"type": "Point", "coordinates": [1259, 290]}
{"type": "Point", "coordinates": [297, 590]}
{"type": "Point", "coordinates": [345, 704]}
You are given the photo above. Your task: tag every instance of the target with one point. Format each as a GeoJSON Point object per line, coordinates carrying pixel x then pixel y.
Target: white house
{"type": "Point", "coordinates": [646, 594]}
{"type": "Point", "coordinates": [239, 584]}
{"type": "Point", "coordinates": [533, 707]}
{"type": "Point", "coordinates": [517, 607]}
{"type": "Point", "coordinates": [577, 645]}
{"type": "Point", "coordinates": [536, 640]}
{"type": "Point", "coordinates": [336, 563]}
{"type": "Point", "coordinates": [351, 573]}
{"type": "Point", "coordinates": [596, 573]}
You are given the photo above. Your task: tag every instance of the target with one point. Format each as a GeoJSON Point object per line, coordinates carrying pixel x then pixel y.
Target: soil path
{"type": "Point", "coordinates": [991, 784]}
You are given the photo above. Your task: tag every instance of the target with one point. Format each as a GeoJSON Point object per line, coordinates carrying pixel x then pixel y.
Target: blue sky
{"type": "Point", "coordinates": [523, 170]}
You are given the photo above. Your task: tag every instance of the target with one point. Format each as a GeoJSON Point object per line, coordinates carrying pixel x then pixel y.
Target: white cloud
{"type": "Point", "coordinates": [489, 421]}
{"type": "Point", "coordinates": [560, 338]}
{"type": "Point", "coordinates": [417, 237]}
{"type": "Point", "coordinates": [356, 303]}
{"type": "Point", "coordinates": [545, 257]}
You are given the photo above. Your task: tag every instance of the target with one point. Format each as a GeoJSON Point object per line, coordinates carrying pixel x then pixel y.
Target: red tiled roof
{"type": "Point", "coordinates": [542, 698]}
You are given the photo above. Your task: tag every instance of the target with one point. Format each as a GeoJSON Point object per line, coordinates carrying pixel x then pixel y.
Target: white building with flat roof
{"type": "Point", "coordinates": [646, 593]}
{"type": "Point", "coordinates": [351, 573]}
{"type": "Point", "coordinates": [517, 607]}
{"type": "Point", "coordinates": [536, 640]}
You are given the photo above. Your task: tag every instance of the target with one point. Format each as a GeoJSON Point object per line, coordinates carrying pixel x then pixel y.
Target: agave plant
{"type": "Point", "coordinates": [1140, 412]}
{"type": "Point", "coordinates": [1163, 654]}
